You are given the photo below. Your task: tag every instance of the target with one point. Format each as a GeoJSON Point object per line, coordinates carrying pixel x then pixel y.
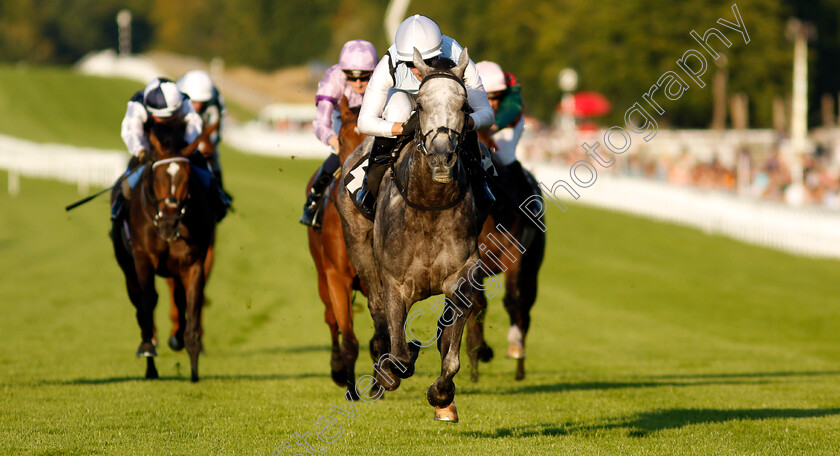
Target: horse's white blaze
{"type": "Point", "coordinates": [172, 170]}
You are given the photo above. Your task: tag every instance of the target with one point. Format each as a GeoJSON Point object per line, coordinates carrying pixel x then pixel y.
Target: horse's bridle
{"type": "Point", "coordinates": [157, 216]}
{"type": "Point", "coordinates": [420, 144]}
{"type": "Point", "coordinates": [420, 137]}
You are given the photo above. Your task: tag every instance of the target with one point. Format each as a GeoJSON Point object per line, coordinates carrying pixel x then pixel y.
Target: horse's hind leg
{"type": "Point", "coordinates": [177, 313]}
{"type": "Point", "coordinates": [193, 280]}
{"type": "Point", "coordinates": [340, 286]}
{"type": "Point", "coordinates": [476, 345]}
{"type": "Point", "coordinates": [522, 292]}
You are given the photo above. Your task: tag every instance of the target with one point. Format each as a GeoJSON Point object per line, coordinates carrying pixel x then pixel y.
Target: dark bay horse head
{"type": "Point", "coordinates": [443, 107]}
{"type": "Point", "coordinates": [169, 177]}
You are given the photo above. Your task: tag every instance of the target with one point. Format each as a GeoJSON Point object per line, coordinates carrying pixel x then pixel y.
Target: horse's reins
{"type": "Point", "coordinates": [420, 145]}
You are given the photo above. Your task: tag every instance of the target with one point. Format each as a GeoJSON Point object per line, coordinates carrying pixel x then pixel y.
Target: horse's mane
{"type": "Point", "coordinates": [170, 135]}
{"type": "Point", "coordinates": [443, 65]}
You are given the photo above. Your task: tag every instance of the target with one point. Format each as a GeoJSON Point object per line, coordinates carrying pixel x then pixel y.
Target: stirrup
{"type": "Point", "coordinates": [365, 202]}
{"type": "Point", "coordinates": [310, 213]}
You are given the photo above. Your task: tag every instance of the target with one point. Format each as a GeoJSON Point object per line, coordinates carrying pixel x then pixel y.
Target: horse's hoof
{"type": "Point", "coordinates": [515, 351]}
{"type": "Point", "coordinates": [176, 344]}
{"type": "Point", "coordinates": [146, 349]}
{"type": "Point", "coordinates": [339, 378]}
{"type": "Point", "coordinates": [485, 354]}
{"type": "Point", "coordinates": [448, 413]}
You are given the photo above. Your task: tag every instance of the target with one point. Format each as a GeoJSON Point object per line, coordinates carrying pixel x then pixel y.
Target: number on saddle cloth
{"type": "Point", "coordinates": [353, 180]}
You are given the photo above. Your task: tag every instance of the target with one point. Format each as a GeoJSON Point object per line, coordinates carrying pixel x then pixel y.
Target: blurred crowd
{"type": "Point", "coordinates": [753, 171]}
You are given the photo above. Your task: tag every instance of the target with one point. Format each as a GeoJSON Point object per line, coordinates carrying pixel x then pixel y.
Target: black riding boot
{"type": "Point", "coordinates": [319, 186]}
{"type": "Point", "coordinates": [118, 208]}
{"type": "Point", "coordinates": [380, 158]}
{"type": "Point", "coordinates": [217, 173]}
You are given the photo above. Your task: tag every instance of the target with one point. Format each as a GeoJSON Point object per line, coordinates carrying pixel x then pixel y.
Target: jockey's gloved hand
{"type": "Point", "coordinates": [143, 155]}
{"type": "Point", "coordinates": [413, 123]}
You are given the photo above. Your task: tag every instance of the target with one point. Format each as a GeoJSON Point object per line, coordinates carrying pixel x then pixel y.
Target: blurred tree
{"type": "Point", "coordinates": [619, 47]}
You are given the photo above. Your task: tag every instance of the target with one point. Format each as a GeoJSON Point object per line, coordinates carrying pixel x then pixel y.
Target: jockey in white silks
{"type": "Point", "coordinates": [161, 102]}
{"type": "Point", "coordinates": [210, 105]}
{"type": "Point", "coordinates": [349, 78]}
{"type": "Point", "coordinates": [390, 99]}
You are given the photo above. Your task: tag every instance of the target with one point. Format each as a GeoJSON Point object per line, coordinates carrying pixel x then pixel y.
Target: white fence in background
{"type": "Point", "coordinates": [77, 165]}
{"type": "Point", "coordinates": [799, 230]}
{"type": "Point", "coordinates": [804, 231]}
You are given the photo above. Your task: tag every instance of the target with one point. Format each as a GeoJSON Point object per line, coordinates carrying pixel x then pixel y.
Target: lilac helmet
{"type": "Point", "coordinates": [358, 55]}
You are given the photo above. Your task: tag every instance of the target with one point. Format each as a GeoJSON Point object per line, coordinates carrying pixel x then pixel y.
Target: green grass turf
{"type": "Point", "coordinates": [56, 105]}
{"type": "Point", "coordinates": [647, 339]}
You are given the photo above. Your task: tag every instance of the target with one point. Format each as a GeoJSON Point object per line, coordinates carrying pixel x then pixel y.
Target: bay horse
{"type": "Point", "coordinates": [424, 238]}
{"type": "Point", "coordinates": [176, 335]}
{"type": "Point", "coordinates": [168, 232]}
{"type": "Point", "coordinates": [336, 277]}
{"type": "Point", "coordinates": [513, 245]}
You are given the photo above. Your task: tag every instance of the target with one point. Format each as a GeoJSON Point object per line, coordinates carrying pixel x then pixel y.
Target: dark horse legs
{"type": "Point", "coordinates": [193, 280]}
{"type": "Point", "coordinates": [141, 292]}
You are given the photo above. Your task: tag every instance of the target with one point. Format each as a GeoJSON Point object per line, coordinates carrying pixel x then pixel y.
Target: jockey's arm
{"type": "Point", "coordinates": [370, 120]}
{"type": "Point", "coordinates": [330, 90]}
{"type": "Point", "coordinates": [193, 120]}
{"type": "Point", "coordinates": [132, 128]}
{"type": "Point", "coordinates": [482, 116]}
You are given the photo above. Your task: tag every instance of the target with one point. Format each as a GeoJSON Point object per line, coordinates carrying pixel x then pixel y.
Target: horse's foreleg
{"type": "Point", "coordinates": [340, 286]}
{"type": "Point", "coordinates": [145, 300]}
{"type": "Point", "coordinates": [193, 280]}
{"type": "Point", "coordinates": [451, 329]}
{"type": "Point", "coordinates": [398, 363]}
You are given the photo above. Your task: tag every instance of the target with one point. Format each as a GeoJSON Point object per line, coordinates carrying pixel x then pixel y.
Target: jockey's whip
{"type": "Point", "coordinates": [104, 190]}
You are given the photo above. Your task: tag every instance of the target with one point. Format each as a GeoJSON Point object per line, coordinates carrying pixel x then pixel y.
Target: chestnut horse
{"type": "Point", "coordinates": [168, 232]}
{"type": "Point", "coordinates": [336, 277]}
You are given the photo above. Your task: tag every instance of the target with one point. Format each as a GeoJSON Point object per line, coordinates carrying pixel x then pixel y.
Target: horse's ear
{"type": "Point", "coordinates": [344, 109]}
{"type": "Point", "coordinates": [187, 151]}
{"type": "Point", "coordinates": [153, 139]}
{"type": "Point", "coordinates": [463, 61]}
{"type": "Point", "coordinates": [420, 64]}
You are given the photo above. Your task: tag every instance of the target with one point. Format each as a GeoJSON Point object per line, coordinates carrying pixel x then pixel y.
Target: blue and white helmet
{"type": "Point", "coordinates": [162, 98]}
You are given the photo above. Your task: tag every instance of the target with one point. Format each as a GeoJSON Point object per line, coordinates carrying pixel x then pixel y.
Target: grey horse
{"type": "Point", "coordinates": [424, 238]}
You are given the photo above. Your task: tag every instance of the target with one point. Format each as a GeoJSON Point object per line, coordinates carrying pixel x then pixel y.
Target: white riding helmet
{"type": "Point", "coordinates": [197, 85]}
{"type": "Point", "coordinates": [162, 98]}
{"type": "Point", "coordinates": [418, 32]}
{"type": "Point", "coordinates": [492, 76]}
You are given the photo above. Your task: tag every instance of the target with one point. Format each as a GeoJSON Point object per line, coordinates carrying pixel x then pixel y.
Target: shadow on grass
{"type": "Point", "coordinates": [185, 378]}
{"type": "Point", "coordinates": [283, 349]}
{"type": "Point", "coordinates": [752, 378]}
{"type": "Point", "coordinates": [643, 424]}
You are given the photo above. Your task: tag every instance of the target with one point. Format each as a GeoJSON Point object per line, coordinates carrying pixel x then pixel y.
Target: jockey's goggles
{"type": "Point", "coordinates": [430, 62]}
{"type": "Point", "coordinates": [356, 75]}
